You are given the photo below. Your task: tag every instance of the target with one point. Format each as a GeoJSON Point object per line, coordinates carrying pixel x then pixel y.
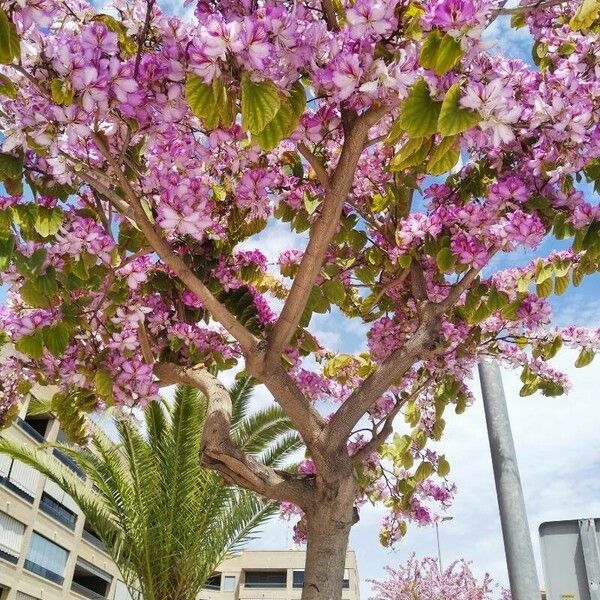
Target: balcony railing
{"type": "Point", "coordinates": [29, 430]}
{"type": "Point", "coordinates": [266, 584]}
{"type": "Point", "coordinates": [69, 462]}
{"type": "Point", "coordinates": [8, 555]}
{"type": "Point", "coordinates": [11, 485]}
{"type": "Point", "coordinates": [43, 572]}
{"type": "Point", "coordinates": [57, 511]}
{"type": "Point", "coordinates": [81, 589]}
{"type": "Point", "coordinates": [92, 539]}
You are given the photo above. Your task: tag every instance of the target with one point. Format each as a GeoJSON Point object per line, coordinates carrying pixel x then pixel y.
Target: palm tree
{"type": "Point", "coordinates": [166, 521]}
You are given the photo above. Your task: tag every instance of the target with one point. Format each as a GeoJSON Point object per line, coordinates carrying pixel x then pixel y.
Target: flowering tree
{"type": "Point", "coordinates": [422, 580]}
{"type": "Point", "coordinates": [143, 154]}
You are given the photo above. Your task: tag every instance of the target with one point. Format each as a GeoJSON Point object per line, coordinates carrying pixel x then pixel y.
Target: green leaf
{"type": "Point", "coordinates": [311, 203]}
{"type": "Point", "coordinates": [33, 297]}
{"type": "Point", "coordinates": [585, 16]}
{"type": "Point", "coordinates": [411, 154]}
{"type": "Point", "coordinates": [31, 266]}
{"type": "Point", "coordinates": [424, 470]}
{"type": "Point", "coordinates": [203, 99]}
{"type": "Point", "coordinates": [62, 92]}
{"type": "Point", "coordinates": [453, 118]}
{"type": "Point", "coordinates": [48, 221]}
{"type": "Point", "coordinates": [7, 246]}
{"type": "Point", "coordinates": [445, 260]}
{"type": "Point", "coordinates": [443, 469]}
{"type": "Point", "coordinates": [419, 113]}
{"type": "Point", "coordinates": [104, 383]}
{"type": "Point", "coordinates": [10, 46]}
{"type": "Point", "coordinates": [11, 167]}
{"type": "Point", "coordinates": [448, 54]}
{"type": "Point", "coordinates": [585, 358]}
{"type": "Point", "coordinates": [561, 284]}
{"type": "Point", "coordinates": [429, 49]}
{"type": "Point", "coordinates": [260, 103]}
{"type": "Point", "coordinates": [544, 289]}
{"type": "Point", "coordinates": [7, 87]}
{"type": "Point", "coordinates": [444, 156]}
{"type": "Point", "coordinates": [440, 53]}
{"type": "Point", "coordinates": [32, 345]}
{"type": "Point", "coordinates": [334, 291]}
{"type": "Point", "coordinates": [56, 338]}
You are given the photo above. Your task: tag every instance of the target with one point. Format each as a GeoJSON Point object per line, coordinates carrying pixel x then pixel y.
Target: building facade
{"type": "Point", "coordinates": [270, 575]}
{"type": "Point", "coordinates": [49, 552]}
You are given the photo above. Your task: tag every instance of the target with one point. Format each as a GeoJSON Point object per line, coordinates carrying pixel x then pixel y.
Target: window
{"type": "Point", "coordinates": [11, 538]}
{"type": "Point", "coordinates": [47, 559]}
{"type": "Point", "coordinates": [229, 583]}
{"type": "Point", "coordinates": [213, 582]}
{"type": "Point", "coordinates": [35, 426]}
{"type": "Point", "coordinates": [18, 477]}
{"type": "Point", "coordinates": [57, 511]}
{"type": "Point", "coordinates": [266, 579]}
{"type": "Point", "coordinates": [298, 579]}
{"type": "Point", "coordinates": [90, 581]}
{"type": "Point", "coordinates": [90, 535]}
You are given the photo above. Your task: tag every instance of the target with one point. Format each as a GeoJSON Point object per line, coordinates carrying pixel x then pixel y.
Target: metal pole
{"type": "Point", "coordinates": [522, 573]}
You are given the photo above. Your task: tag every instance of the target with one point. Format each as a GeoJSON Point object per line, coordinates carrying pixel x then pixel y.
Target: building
{"type": "Point", "coordinates": [48, 552]}
{"type": "Point", "coordinates": [270, 575]}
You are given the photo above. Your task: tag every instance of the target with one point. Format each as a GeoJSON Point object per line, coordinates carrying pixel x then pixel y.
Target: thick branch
{"type": "Point", "coordinates": [219, 452]}
{"type": "Point", "coordinates": [425, 339]}
{"type": "Point", "coordinates": [321, 233]}
{"type": "Point", "coordinates": [217, 310]}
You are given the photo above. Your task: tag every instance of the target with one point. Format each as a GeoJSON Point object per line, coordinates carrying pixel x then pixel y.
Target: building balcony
{"type": "Point", "coordinates": [69, 462]}
{"type": "Point", "coordinates": [57, 511]}
{"type": "Point", "coordinates": [84, 591]}
{"type": "Point", "coordinates": [43, 572]}
{"type": "Point", "coordinates": [88, 536]}
{"type": "Point", "coordinates": [29, 430]}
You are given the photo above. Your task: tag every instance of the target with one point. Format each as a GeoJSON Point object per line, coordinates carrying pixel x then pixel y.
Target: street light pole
{"type": "Point", "coordinates": [522, 573]}
{"type": "Point", "coordinates": [437, 534]}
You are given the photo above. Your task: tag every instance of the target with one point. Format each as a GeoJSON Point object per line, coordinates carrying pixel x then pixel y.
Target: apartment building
{"type": "Point", "coordinates": [270, 575]}
{"type": "Point", "coordinates": [49, 552]}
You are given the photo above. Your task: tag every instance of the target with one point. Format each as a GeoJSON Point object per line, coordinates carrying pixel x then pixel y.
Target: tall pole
{"type": "Point", "coordinates": [437, 534]}
{"type": "Point", "coordinates": [522, 573]}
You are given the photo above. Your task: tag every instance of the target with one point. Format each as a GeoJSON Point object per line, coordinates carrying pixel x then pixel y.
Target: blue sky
{"type": "Point", "coordinates": [556, 438]}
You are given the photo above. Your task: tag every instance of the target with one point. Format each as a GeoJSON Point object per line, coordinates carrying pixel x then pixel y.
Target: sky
{"type": "Point", "coordinates": [556, 439]}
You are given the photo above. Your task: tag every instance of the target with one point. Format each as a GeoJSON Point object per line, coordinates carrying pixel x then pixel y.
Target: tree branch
{"type": "Point", "coordinates": [379, 438]}
{"type": "Point", "coordinates": [321, 233]}
{"type": "Point", "coordinates": [426, 339]}
{"type": "Point", "coordinates": [219, 452]}
{"type": "Point", "coordinates": [314, 162]}
{"type": "Point", "coordinates": [217, 310]}
{"type": "Point", "coordinates": [330, 16]}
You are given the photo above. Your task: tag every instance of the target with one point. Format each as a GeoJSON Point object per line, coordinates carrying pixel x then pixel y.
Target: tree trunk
{"type": "Point", "coordinates": [329, 525]}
